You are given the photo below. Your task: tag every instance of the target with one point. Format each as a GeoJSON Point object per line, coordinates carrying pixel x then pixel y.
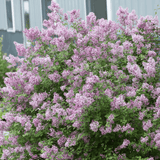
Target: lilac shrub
{"type": "Point", "coordinates": [79, 105]}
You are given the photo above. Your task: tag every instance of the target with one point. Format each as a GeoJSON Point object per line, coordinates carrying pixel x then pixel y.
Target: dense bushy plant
{"type": "Point", "coordinates": [3, 70]}
{"type": "Point", "coordinates": [4, 65]}
{"type": "Point", "coordinates": [78, 105]}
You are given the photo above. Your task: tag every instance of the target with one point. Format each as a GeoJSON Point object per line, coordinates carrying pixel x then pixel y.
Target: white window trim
{"type": "Point", "coordinates": [109, 10]}
{"type": "Point", "coordinates": [26, 44]}
{"type": "Point", "coordinates": [13, 18]}
{"type": "Point", "coordinates": [85, 12]}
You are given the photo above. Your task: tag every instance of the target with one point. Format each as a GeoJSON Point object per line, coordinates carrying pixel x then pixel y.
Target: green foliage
{"type": "Point", "coordinates": [98, 143]}
{"type": "Point", "coordinates": [3, 66]}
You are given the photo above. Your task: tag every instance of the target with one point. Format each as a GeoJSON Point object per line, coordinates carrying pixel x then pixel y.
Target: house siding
{"type": "Point", "coordinates": [71, 5]}
{"type": "Point", "coordinates": [9, 38]}
{"type": "Point", "coordinates": [141, 7]}
{"type": "Point", "coordinates": [35, 14]}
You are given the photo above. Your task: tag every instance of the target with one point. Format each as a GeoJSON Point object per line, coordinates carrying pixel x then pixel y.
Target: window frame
{"type": "Point", "coordinates": [25, 42]}
{"type": "Point", "coordinates": [13, 18]}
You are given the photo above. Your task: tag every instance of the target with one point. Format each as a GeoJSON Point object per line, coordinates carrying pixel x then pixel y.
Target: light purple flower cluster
{"type": "Point", "coordinates": [69, 115]}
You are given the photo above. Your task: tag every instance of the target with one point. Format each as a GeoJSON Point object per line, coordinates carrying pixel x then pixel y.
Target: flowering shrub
{"type": "Point", "coordinates": [3, 66]}
{"type": "Point", "coordinates": [79, 105]}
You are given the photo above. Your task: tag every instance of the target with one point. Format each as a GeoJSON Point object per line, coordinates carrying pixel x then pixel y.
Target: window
{"type": "Point", "coordinates": [45, 10]}
{"type": "Point", "coordinates": [10, 15]}
{"type": "Point", "coordinates": [26, 14]}
{"type": "Point", "coordinates": [26, 22]}
{"type": "Point", "coordinates": [98, 7]}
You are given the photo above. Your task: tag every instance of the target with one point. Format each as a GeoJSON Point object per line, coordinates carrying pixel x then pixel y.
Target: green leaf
{"type": "Point", "coordinates": [25, 134]}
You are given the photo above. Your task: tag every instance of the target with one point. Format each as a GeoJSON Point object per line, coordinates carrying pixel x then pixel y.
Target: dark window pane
{"type": "Point", "coordinates": [45, 10]}
{"type": "Point", "coordinates": [9, 13]}
{"type": "Point", "coordinates": [98, 7]}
